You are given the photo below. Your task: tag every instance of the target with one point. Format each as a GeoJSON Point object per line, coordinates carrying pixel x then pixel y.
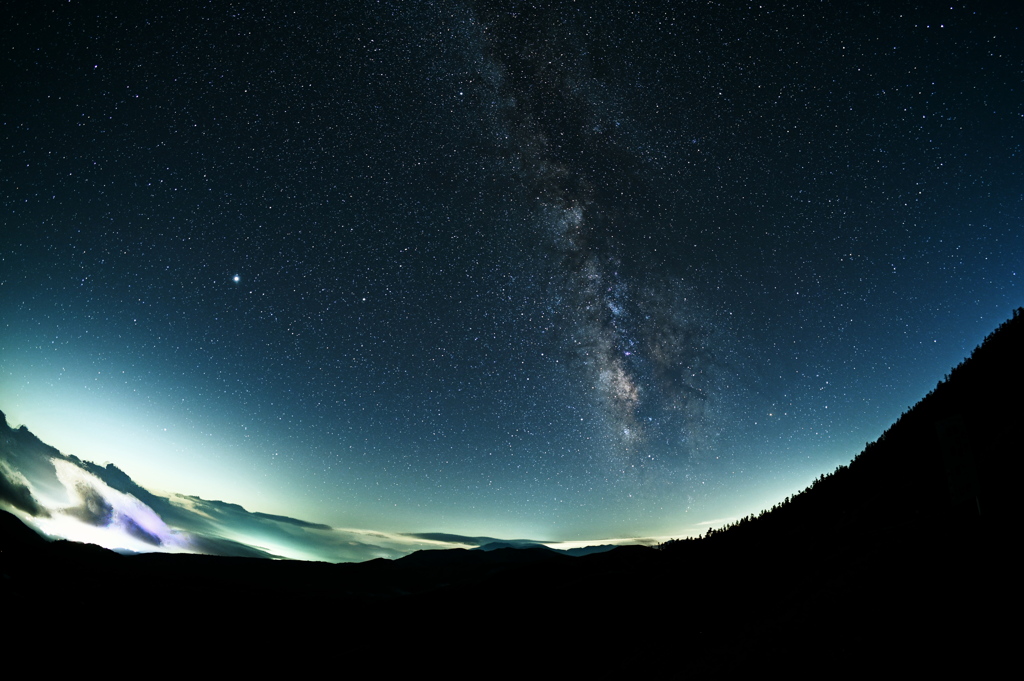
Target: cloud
{"type": "Point", "coordinates": [479, 542]}
{"type": "Point", "coordinates": [452, 538]}
{"type": "Point", "coordinates": [218, 546]}
{"type": "Point", "coordinates": [17, 494]}
{"type": "Point", "coordinates": [94, 509]}
{"type": "Point", "coordinates": [101, 504]}
{"type": "Point", "coordinates": [291, 521]}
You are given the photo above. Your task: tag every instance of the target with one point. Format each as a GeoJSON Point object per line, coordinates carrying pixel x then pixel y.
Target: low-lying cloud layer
{"type": "Point", "coordinates": [63, 496]}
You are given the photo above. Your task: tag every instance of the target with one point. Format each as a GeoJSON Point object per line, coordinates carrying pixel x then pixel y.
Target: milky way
{"type": "Point", "coordinates": [639, 340]}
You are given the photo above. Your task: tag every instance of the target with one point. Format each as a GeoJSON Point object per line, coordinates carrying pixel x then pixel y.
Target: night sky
{"type": "Point", "coordinates": [557, 270]}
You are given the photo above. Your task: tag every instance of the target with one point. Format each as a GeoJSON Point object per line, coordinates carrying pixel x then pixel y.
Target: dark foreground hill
{"type": "Point", "coordinates": [899, 561]}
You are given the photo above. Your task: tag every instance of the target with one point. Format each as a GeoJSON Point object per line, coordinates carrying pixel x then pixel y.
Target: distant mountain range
{"type": "Point", "coordinates": [900, 560]}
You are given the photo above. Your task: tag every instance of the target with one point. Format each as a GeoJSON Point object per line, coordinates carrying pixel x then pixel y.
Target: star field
{"type": "Point", "coordinates": [556, 269]}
